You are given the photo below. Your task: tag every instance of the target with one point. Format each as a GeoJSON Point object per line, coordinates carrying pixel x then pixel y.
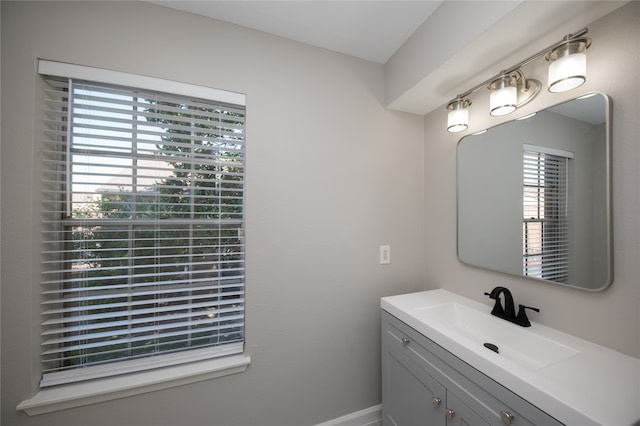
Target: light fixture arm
{"type": "Point", "coordinates": [565, 39]}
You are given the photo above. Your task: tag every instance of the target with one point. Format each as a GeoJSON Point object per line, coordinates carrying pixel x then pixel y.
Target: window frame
{"type": "Point", "coordinates": [551, 245]}
{"type": "Point", "coordinates": [188, 369]}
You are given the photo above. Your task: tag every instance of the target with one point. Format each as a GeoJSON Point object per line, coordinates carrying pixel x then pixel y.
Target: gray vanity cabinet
{"type": "Point", "coordinates": [423, 384]}
{"type": "Point", "coordinates": [412, 392]}
{"type": "Point", "coordinates": [459, 414]}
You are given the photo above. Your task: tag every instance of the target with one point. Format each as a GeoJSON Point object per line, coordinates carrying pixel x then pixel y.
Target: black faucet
{"type": "Point", "coordinates": [508, 312]}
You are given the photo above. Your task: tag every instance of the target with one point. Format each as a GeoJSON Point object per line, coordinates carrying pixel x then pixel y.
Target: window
{"type": "Point", "coordinates": [545, 213]}
{"type": "Point", "coordinates": [143, 219]}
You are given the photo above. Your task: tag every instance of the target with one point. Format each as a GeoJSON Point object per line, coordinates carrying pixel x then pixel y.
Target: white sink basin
{"type": "Point", "coordinates": [518, 344]}
{"type": "Point", "coordinates": [562, 374]}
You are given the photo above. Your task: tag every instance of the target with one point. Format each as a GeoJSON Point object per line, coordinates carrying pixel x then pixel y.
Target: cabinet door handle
{"type": "Point", "coordinates": [405, 341]}
{"type": "Point", "coordinates": [437, 401]}
{"type": "Point", "coordinates": [507, 417]}
{"type": "Point", "coordinates": [450, 413]}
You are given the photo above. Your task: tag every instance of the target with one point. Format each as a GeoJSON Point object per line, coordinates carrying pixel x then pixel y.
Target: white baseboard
{"type": "Point", "coordinates": [371, 416]}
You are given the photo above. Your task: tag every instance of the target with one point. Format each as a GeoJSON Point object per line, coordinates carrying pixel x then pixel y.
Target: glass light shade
{"type": "Point", "coordinates": [458, 120]}
{"type": "Point", "coordinates": [567, 72]}
{"type": "Point", "coordinates": [503, 100]}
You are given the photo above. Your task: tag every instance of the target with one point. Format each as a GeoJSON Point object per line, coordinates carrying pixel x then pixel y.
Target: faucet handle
{"type": "Point", "coordinates": [497, 310]}
{"type": "Point", "coordinates": [521, 318]}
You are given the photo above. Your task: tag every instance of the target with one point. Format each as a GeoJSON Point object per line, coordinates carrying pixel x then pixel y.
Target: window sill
{"type": "Point", "coordinates": [79, 394]}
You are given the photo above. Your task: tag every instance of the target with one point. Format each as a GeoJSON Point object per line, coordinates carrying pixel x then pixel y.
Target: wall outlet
{"type": "Point", "coordinates": [385, 255]}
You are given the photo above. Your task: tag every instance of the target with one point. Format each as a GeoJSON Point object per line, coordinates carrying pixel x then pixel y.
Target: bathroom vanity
{"type": "Point", "coordinates": [447, 361]}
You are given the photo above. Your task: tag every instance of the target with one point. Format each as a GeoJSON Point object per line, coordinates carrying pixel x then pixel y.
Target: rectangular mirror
{"type": "Point", "coordinates": [534, 195]}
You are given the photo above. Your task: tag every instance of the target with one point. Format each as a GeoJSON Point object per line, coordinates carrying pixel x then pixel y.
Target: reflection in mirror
{"type": "Point", "coordinates": [534, 195]}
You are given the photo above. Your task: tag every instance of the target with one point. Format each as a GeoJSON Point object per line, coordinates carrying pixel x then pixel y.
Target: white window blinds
{"type": "Point", "coordinates": [545, 213]}
{"type": "Point", "coordinates": [143, 216]}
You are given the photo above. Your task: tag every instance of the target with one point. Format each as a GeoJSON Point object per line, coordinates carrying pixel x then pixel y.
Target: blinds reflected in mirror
{"type": "Point", "coordinates": [545, 207]}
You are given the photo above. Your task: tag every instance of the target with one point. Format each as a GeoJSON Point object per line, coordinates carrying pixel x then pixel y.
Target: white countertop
{"type": "Point", "coordinates": [594, 386]}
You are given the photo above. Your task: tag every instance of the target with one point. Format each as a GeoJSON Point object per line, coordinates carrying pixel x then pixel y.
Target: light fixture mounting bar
{"type": "Point", "coordinates": [565, 39]}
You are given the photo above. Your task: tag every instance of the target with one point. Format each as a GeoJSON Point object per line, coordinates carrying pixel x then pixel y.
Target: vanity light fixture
{"type": "Point", "coordinates": [568, 65]}
{"type": "Point", "coordinates": [510, 89]}
{"type": "Point", "coordinates": [504, 95]}
{"type": "Point", "coordinates": [458, 117]}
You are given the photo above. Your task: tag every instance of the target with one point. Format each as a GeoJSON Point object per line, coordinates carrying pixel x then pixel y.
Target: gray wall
{"type": "Point", "coordinates": [611, 317]}
{"type": "Point", "coordinates": [331, 175]}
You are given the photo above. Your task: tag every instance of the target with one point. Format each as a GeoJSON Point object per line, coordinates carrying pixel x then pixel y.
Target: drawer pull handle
{"type": "Point", "coordinates": [437, 401]}
{"type": "Point", "coordinates": [405, 341]}
{"type": "Point", "coordinates": [507, 417]}
{"type": "Point", "coordinates": [450, 413]}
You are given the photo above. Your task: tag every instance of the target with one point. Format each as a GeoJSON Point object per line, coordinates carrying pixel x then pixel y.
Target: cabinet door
{"type": "Point", "coordinates": [458, 414]}
{"type": "Point", "coordinates": [411, 396]}
{"type": "Point", "coordinates": [415, 369]}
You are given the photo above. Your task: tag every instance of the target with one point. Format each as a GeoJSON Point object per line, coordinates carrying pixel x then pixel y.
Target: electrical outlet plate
{"type": "Point", "coordinates": [385, 255]}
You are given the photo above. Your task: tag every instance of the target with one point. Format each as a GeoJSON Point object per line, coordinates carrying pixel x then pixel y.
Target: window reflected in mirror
{"type": "Point", "coordinates": [534, 196]}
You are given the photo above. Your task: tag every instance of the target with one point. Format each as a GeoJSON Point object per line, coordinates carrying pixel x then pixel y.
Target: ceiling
{"type": "Point", "coordinates": [371, 30]}
{"type": "Point", "coordinates": [432, 49]}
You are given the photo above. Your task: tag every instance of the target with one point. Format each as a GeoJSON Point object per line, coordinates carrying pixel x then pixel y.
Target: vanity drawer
{"type": "Point", "coordinates": [491, 401]}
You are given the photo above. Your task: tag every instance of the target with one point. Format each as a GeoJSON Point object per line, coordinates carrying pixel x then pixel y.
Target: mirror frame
{"type": "Point", "coordinates": [608, 189]}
